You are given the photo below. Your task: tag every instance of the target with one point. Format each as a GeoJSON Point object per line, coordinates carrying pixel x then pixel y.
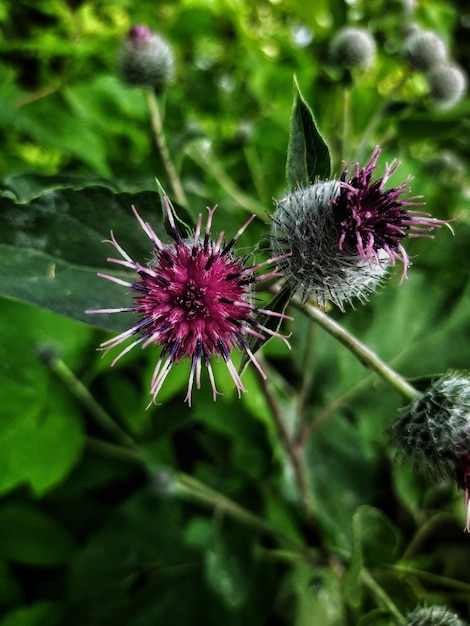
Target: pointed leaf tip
{"type": "Point", "coordinates": [308, 156]}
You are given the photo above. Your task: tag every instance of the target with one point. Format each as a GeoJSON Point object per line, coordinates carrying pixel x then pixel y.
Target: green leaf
{"type": "Point", "coordinates": [308, 157]}
{"type": "Point", "coordinates": [342, 476]}
{"type": "Point", "coordinates": [33, 537]}
{"type": "Point", "coordinates": [41, 432]}
{"type": "Point", "coordinates": [225, 563]}
{"type": "Point", "coordinates": [11, 593]}
{"type": "Point", "coordinates": [52, 248]}
{"type": "Point", "coordinates": [38, 614]}
{"type": "Point", "coordinates": [315, 594]}
{"type": "Point", "coordinates": [376, 542]}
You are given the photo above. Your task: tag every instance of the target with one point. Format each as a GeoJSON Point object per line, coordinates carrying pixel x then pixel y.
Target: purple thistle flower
{"type": "Point", "coordinates": [343, 234]}
{"type": "Point", "coordinates": [194, 299]}
{"type": "Point", "coordinates": [373, 218]}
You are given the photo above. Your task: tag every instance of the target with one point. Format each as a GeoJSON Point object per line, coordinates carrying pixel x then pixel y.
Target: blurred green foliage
{"type": "Point", "coordinates": [93, 532]}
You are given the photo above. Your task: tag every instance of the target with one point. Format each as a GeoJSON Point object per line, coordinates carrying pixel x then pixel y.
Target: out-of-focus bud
{"type": "Point", "coordinates": [425, 50]}
{"type": "Point", "coordinates": [145, 59]}
{"type": "Point", "coordinates": [433, 616]}
{"type": "Point", "coordinates": [353, 47]}
{"type": "Point", "coordinates": [447, 85]}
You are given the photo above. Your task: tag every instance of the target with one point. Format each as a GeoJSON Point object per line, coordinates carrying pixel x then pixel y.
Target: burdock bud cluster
{"type": "Point", "coordinates": [344, 234]}
{"type": "Point", "coordinates": [353, 46]}
{"type": "Point", "coordinates": [427, 52]}
{"type": "Point", "coordinates": [145, 59]}
{"type": "Point", "coordinates": [434, 432]}
{"type": "Point", "coordinates": [433, 616]}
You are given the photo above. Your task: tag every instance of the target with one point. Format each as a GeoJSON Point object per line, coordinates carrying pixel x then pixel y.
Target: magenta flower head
{"type": "Point", "coordinates": [194, 300]}
{"type": "Point", "coordinates": [344, 234]}
{"type": "Point", "coordinates": [434, 432]}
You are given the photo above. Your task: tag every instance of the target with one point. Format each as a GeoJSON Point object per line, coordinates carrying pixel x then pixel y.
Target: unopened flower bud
{"type": "Point", "coordinates": [145, 59]}
{"type": "Point", "coordinates": [433, 616]}
{"type": "Point", "coordinates": [344, 234]}
{"type": "Point", "coordinates": [434, 432]}
{"type": "Point", "coordinates": [425, 50]}
{"type": "Point", "coordinates": [353, 47]}
{"type": "Point", "coordinates": [447, 84]}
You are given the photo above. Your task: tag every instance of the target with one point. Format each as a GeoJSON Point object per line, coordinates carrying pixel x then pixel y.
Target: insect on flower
{"type": "Point", "coordinates": [194, 300]}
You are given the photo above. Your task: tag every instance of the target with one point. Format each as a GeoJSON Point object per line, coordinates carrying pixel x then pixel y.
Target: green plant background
{"type": "Point", "coordinates": [207, 526]}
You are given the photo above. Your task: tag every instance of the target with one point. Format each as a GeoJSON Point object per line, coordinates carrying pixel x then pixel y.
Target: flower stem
{"type": "Point", "coordinates": [184, 485]}
{"type": "Point", "coordinates": [242, 199]}
{"type": "Point", "coordinates": [382, 596]}
{"type": "Point", "coordinates": [96, 411]}
{"type": "Point", "coordinates": [365, 355]}
{"type": "Point", "coordinates": [160, 141]}
{"type": "Point", "coordinates": [433, 579]}
{"type": "Point", "coordinates": [294, 452]}
{"type": "Point", "coordinates": [191, 489]}
{"type": "Point", "coordinates": [113, 451]}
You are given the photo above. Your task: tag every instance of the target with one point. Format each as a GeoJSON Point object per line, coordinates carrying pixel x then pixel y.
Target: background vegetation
{"type": "Point", "coordinates": [195, 515]}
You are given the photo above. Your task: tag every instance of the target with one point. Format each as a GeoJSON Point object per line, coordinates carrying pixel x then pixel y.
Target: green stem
{"type": "Point", "coordinates": [191, 489]}
{"type": "Point", "coordinates": [331, 408]}
{"type": "Point", "coordinates": [432, 579]}
{"type": "Point", "coordinates": [365, 355]}
{"type": "Point", "coordinates": [307, 377]}
{"type": "Point", "coordinates": [382, 596]}
{"type": "Point", "coordinates": [294, 452]}
{"type": "Point", "coordinates": [242, 199]}
{"type": "Point", "coordinates": [160, 141]}
{"type": "Point", "coordinates": [95, 410]}
{"type": "Point", "coordinates": [112, 451]}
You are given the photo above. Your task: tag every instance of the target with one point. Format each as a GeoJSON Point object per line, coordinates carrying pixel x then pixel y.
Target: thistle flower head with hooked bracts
{"type": "Point", "coordinates": [194, 300]}
{"type": "Point", "coordinates": [344, 233]}
{"type": "Point", "coordinates": [434, 431]}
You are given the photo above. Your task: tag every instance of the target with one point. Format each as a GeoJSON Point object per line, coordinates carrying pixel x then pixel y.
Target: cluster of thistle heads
{"type": "Point", "coordinates": [333, 241]}
{"type": "Point", "coordinates": [423, 50]}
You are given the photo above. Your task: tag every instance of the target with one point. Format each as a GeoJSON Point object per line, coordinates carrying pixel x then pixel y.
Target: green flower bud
{"type": "Point", "coordinates": [353, 47]}
{"type": "Point", "coordinates": [145, 59]}
{"type": "Point", "coordinates": [434, 432]}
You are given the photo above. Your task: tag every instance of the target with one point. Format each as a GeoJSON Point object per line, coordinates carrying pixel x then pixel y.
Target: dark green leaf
{"type": "Point", "coordinates": [41, 432]}
{"type": "Point", "coordinates": [31, 536]}
{"type": "Point", "coordinates": [375, 542]}
{"type": "Point", "coordinates": [308, 157]}
{"type": "Point", "coordinates": [315, 594]}
{"type": "Point", "coordinates": [39, 614]}
{"type": "Point", "coordinates": [52, 248]}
